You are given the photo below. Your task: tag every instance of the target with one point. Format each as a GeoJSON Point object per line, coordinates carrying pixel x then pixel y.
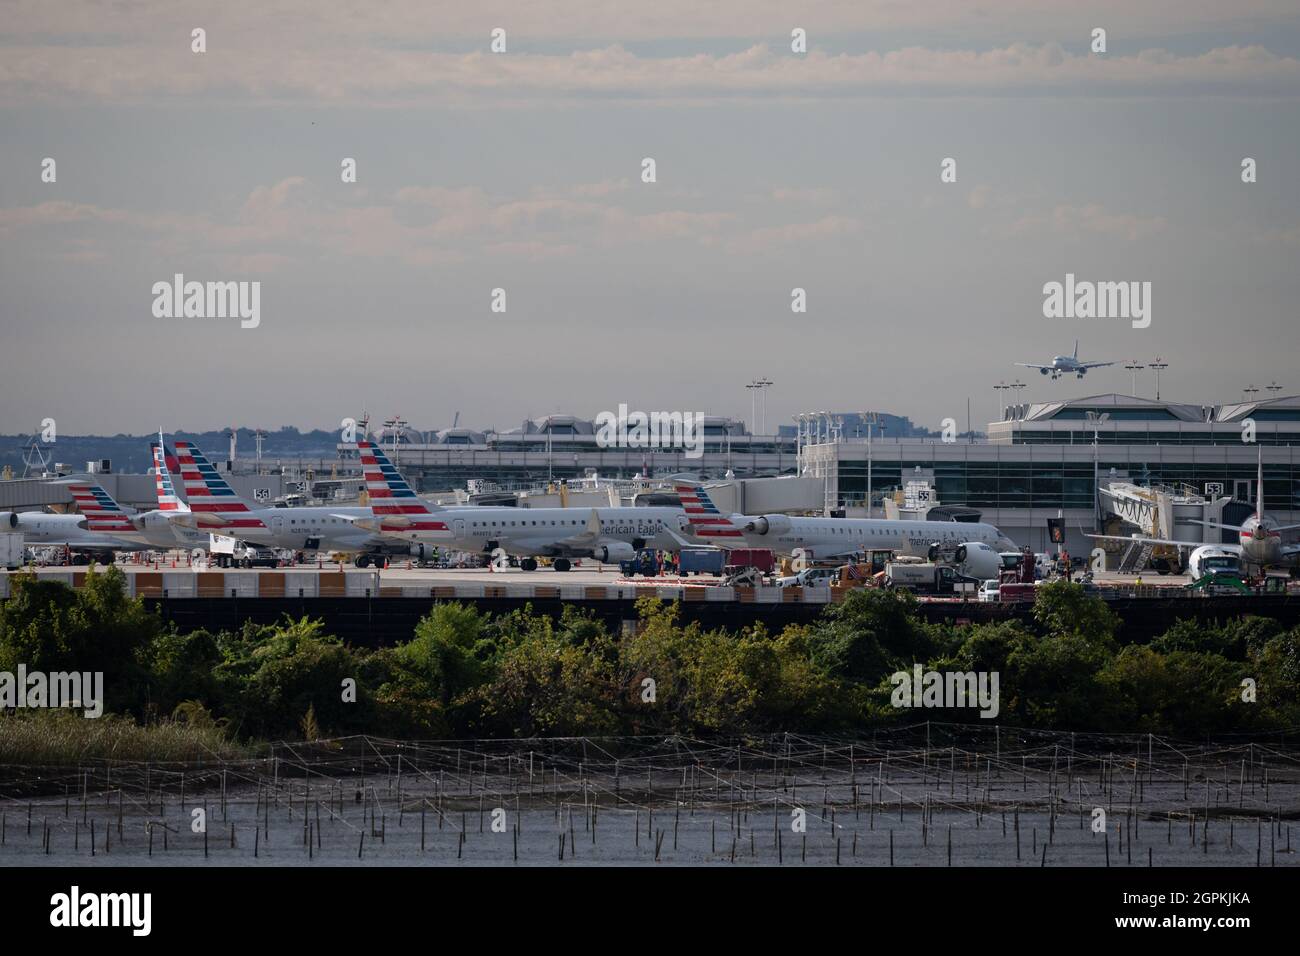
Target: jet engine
{"type": "Point", "coordinates": [10, 519]}
{"type": "Point", "coordinates": [972, 558]}
{"type": "Point", "coordinates": [769, 524]}
{"type": "Point", "coordinates": [978, 560]}
{"type": "Point", "coordinates": [614, 552]}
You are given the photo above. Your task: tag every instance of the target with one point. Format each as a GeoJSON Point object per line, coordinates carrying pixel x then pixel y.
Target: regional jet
{"type": "Point", "coordinates": [975, 547]}
{"type": "Point", "coordinates": [608, 535]}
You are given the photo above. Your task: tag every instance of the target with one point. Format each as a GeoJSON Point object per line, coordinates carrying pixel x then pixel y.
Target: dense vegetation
{"type": "Point", "coordinates": [523, 674]}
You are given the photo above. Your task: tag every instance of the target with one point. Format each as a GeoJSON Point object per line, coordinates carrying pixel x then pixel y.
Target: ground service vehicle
{"type": "Point", "coordinates": [11, 550]}
{"type": "Point", "coordinates": [929, 579]}
{"type": "Point", "coordinates": [810, 578]}
{"type": "Point", "coordinates": [762, 560]}
{"type": "Point", "coordinates": [645, 563]}
{"type": "Point", "coordinates": [227, 552]}
{"type": "Point", "coordinates": [701, 561]}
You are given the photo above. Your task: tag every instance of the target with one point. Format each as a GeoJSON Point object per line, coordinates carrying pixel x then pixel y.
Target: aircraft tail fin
{"type": "Point", "coordinates": [103, 514]}
{"type": "Point", "coordinates": [1076, 349]}
{"type": "Point", "coordinates": [168, 500]}
{"type": "Point", "coordinates": [1259, 486]}
{"type": "Point", "coordinates": [392, 500]}
{"type": "Point", "coordinates": [215, 504]}
{"type": "Point", "coordinates": [702, 515]}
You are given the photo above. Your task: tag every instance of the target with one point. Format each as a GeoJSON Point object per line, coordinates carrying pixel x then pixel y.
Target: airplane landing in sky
{"type": "Point", "coordinates": [1066, 364]}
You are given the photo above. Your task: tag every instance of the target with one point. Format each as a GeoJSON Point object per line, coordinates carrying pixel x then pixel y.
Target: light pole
{"type": "Point", "coordinates": [798, 443]}
{"type": "Point", "coordinates": [1135, 366]}
{"type": "Point", "coordinates": [1095, 420]}
{"type": "Point", "coordinates": [763, 384]}
{"type": "Point", "coordinates": [1249, 391]}
{"type": "Point", "coordinates": [1158, 364]}
{"type": "Point", "coordinates": [870, 419]}
{"type": "Point", "coordinates": [998, 389]}
{"type": "Point", "coordinates": [1274, 388]}
{"type": "Point", "coordinates": [753, 405]}
{"type": "Point", "coordinates": [398, 425]}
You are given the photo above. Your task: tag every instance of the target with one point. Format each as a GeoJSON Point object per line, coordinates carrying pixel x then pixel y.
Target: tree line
{"type": "Point", "coordinates": [465, 673]}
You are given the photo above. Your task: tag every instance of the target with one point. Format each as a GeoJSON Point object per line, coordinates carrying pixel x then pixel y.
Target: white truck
{"type": "Point", "coordinates": [929, 579]}
{"type": "Point", "coordinates": [810, 578]}
{"type": "Point", "coordinates": [227, 552]}
{"type": "Point", "coordinates": [11, 550]}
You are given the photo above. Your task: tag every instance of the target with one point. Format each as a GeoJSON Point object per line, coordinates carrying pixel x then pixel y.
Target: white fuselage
{"type": "Point", "coordinates": [544, 532]}
{"type": "Point", "coordinates": [831, 537]}
{"type": "Point", "coordinates": [38, 527]}
{"type": "Point", "coordinates": [1261, 542]}
{"type": "Point", "coordinates": [296, 529]}
{"type": "Point", "coordinates": [156, 530]}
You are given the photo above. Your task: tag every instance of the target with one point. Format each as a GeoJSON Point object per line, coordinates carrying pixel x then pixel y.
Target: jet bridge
{"type": "Point", "coordinates": [1173, 513]}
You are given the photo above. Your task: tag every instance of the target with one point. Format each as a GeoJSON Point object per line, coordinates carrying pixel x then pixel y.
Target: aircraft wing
{"type": "Point", "coordinates": [1144, 540]}
{"type": "Point", "coordinates": [1031, 365]}
{"type": "Point", "coordinates": [1094, 364]}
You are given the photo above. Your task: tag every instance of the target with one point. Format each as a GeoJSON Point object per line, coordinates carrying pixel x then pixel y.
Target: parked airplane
{"type": "Point", "coordinates": [92, 532]}
{"type": "Point", "coordinates": [65, 530]}
{"type": "Point", "coordinates": [216, 508]}
{"type": "Point", "coordinates": [1066, 364]}
{"type": "Point", "coordinates": [1260, 536]}
{"type": "Point", "coordinates": [105, 517]}
{"type": "Point", "coordinates": [605, 534]}
{"type": "Point", "coordinates": [973, 546]}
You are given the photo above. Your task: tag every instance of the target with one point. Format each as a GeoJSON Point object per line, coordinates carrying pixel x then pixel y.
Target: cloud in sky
{"type": "Point", "coordinates": [416, 23]}
{"type": "Point", "coordinates": [409, 78]}
{"type": "Point", "coordinates": [522, 171]}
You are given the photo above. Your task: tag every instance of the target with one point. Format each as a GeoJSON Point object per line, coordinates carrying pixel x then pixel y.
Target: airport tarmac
{"type": "Point", "coordinates": [405, 573]}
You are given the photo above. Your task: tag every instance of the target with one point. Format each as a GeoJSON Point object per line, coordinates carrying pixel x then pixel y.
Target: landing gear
{"type": "Point", "coordinates": [528, 564]}
{"type": "Point", "coordinates": [561, 564]}
{"type": "Point", "coordinates": [105, 559]}
{"type": "Point", "coordinates": [362, 561]}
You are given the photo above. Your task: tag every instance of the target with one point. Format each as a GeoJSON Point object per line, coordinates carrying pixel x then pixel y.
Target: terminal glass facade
{"type": "Point", "coordinates": [988, 485]}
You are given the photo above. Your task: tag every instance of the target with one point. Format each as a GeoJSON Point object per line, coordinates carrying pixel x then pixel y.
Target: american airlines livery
{"type": "Point", "coordinates": [215, 507]}
{"type": "Point", "coordinates": [605, 534]}
{"type": "Point", "coordinates": [107, 520]}
{"type": "Point", "coordinates": [976, 546]}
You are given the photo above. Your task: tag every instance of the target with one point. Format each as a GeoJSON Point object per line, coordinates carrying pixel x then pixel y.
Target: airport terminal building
{"type": "Point", "coordinates": [1045, 460]}
{"type": "Point", "coordinates": [1039, 461]}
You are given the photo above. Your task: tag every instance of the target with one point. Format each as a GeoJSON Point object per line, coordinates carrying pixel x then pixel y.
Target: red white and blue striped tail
{"type": "Point", "coordinates": [392, 499]}
{"type": "Point", "coordinates": [167, 497]}
{"type": "Point", "coordinates": [209, 495]}
{"type": "Point", "coordinates": [103, 514]}
{"type": "Point", "coordinates": [703, 516]}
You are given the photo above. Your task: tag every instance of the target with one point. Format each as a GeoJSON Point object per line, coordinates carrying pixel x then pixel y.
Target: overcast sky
{"type": "Point", "coordinates": [522, 171]}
